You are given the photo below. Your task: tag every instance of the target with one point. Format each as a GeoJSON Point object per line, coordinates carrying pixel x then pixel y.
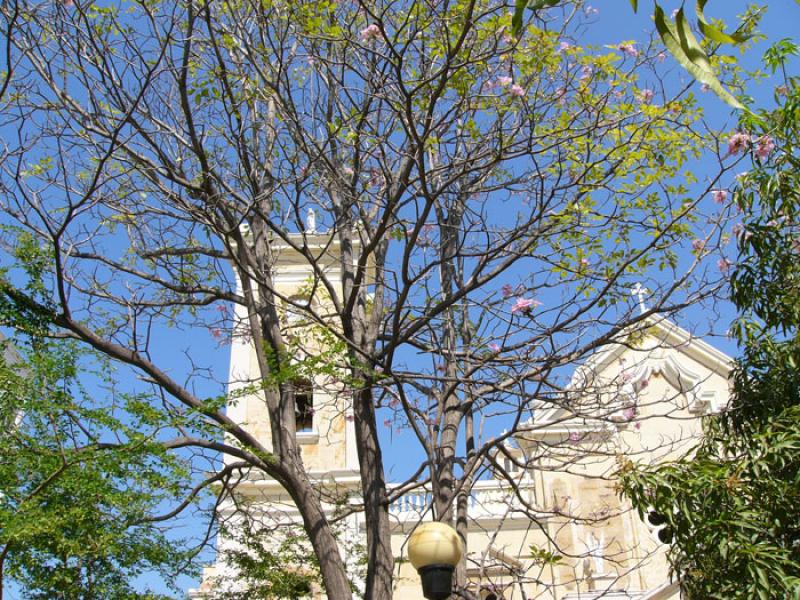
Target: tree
{"type": "Point", "coordinates": [730, 507]}
{"type": "Point", "coordinates": [677, 37]}
{"type": "Point", "coordinates": [490, 202]}
{"type": "Point", "coordinates": [79, 478]}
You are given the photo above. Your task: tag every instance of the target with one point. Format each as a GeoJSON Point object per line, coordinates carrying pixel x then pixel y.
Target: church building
{"type": "Point", "coordinates": [639, 398]}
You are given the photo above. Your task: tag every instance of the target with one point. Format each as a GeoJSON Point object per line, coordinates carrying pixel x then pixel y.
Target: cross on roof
{"type": "Point", "coordinates": [640, 291]}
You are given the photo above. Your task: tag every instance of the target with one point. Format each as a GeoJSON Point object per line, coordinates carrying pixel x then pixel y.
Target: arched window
{"type": "Point", "coordinates": [303, 405]}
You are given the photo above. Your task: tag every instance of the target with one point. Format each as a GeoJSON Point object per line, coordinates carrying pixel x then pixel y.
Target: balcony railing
{"type": "Point", "coordinates": [488, 499]}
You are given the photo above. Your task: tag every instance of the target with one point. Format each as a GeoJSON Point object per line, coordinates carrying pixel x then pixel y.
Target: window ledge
{"type": "Point", "coordinates": [307, 437]}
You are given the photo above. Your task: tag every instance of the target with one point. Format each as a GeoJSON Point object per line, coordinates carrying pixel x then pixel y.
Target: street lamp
{"type": "Point", "coordinates": [435, 549]}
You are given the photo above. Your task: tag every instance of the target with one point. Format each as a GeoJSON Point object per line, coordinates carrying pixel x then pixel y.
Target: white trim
{"type": "Point", "coordinates": [307, 437]}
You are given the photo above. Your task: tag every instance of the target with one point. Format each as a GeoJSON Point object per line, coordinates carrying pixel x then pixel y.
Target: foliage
{"type": "Point", "coordinates": [731, 509]}
{"type": "Point", "coordinates": [78, 480]}
{"type": "Point", "coordinates": [270, 562]}
{"type": "Point", "coordinates": [677, 38]}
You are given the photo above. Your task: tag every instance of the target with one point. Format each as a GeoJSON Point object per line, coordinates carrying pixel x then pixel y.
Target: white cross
{"type": "Point", "coordinates": [640, 291]}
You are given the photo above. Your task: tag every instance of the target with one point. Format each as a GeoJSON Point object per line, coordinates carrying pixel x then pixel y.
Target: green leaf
{"type": "Point", "coordinates": [519, 9]}
{"type": "Point", "coordinates": [542, 3]}
{"type": "Point", "coordinates": [516, 20]}
{"type": "Point", "coordinates": [634, 5]}
{"type": "Point", "coordinates": [712, 32]}
{"type": "Point", "coordinates": [684, 47]}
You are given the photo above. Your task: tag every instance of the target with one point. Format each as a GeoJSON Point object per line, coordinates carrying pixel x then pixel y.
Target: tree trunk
{"type": "Point", "coordinates": [326, 548]}
{"type": "Point", "coordinates": [376, 507]}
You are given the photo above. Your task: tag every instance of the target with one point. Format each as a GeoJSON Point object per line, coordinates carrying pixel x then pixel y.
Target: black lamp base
{"type": "Point", "coordinates": [437, 581]}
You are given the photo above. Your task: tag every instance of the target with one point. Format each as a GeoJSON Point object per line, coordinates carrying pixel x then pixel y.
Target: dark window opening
{"type": "Point", "coordinates": [304, 405]}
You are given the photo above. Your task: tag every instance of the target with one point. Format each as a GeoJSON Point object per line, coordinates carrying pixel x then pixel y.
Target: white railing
{"type": "Point", "coordinates": [488, 499]}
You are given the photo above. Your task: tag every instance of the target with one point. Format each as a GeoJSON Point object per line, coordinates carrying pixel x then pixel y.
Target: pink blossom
{"type": "Point", "coordinates": [68, 3]}
{"type": "Point", "coordinates": [349, 418]}
{"type": "Point", "coordinates": [524, 305]}
{"type": "Point", "coordinates": [638, 425]}
{"type": "Point", "coordinates": [644, 383]}
{"type": "Point", "coordinates": [764, 147]}
{"type": "Point", "coordinates": [646, 95]}
{"type": "Point", "coordinates": [629, 413]}
{"type": "Point", "coordinates": [372, 32]}
{"type": "Point", "coordinates": [507, 290]}
{"type": "Point", "coordinates": [719, 196]}
{"type": "Point", "coordinates": [584, 262]}
{"type": "Point", "coordinates": [628, 50]}
{"type": "Point", "coordinates": [586, 72]}
{"type": "Point", "coordinates": [661, 57]}
{"type": "Point", "coordinates": [348, 171]}
{"type": "Point", "coordinates": [216, 333]}
{"type": "Point", "coordinates": [517, 91]}
{"type": "Point", "coordinates": [705, 88]}
{"type": "Point", "coordinates": [504, 80]}
{"type": "Point", "coordinates": [494, 347]}
{"type": "Point", "coordinates": [387, 423]}
{"type": "Point", "coordinates": [698, 245]}
{"type": "Point", "coordinates": [575, 437]}
{"type": "Point", "coordinates": [564, 46]}
{"type": "Point", "coordinates": [738, 142]}
{"type": "Point", "coordinates": [723, 264]}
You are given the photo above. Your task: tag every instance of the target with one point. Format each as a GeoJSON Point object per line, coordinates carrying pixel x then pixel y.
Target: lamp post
{"type": "Point", "coordinates": [435, 549]}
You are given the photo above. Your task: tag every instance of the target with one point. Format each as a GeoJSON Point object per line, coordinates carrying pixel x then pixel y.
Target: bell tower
{"type": "Point", "coordinates": [324, 422]}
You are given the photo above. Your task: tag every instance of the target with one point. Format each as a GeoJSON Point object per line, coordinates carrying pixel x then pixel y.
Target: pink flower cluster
{"type": "Point", "coordinates": [513, 89]}
{"type": "Point", "coordinates": [764, 147]}
{"type": "Point", "coordinates": [723, 264]}
{"type": "Point", "coordinates": [719, 196]}
{"type": "Point", "coordinates": [646, 95]}
{"type": "Point", "coordinates": [370, 33]}
{"type": "Point", "coordinates": [739, 141]}
{"type": "Point", "coordinates": [628, 50]}
{"type": "Point", "coordinates": [524, 305]}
